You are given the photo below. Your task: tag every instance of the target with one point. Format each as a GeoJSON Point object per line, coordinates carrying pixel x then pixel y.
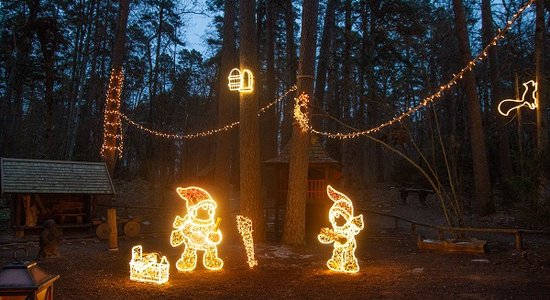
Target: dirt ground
{"type": "Point", "coordinates": [392, 267]}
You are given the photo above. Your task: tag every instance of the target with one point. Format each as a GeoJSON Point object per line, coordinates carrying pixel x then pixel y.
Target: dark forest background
{"type": "Point", "coordinates": [374, 59]}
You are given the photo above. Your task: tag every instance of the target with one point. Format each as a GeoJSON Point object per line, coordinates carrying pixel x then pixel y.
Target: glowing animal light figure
{"type": "Point", "coordinates": [148, 267]}
{"type": "Point", "coordinates": [244, 225]}
{"type": "Point", "coordinates": [511, 104]}
{"type": "Point", "coordinates": [198, 230]}
{"type": "Point", "coordinates": [242, 81]}
{"type": "Point", "coordinates": [345, 226]}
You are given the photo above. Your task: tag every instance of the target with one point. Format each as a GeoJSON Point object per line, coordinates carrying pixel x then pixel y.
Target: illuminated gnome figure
{"type": "Point", "coordinates": [345, 227]}
{"type": "Point", "coordinates": [197, 230]}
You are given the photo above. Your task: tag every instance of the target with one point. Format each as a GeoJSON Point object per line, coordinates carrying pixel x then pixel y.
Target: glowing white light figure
{"type": "Point", "coordinates": [244, 225]}
{"type": "Point", "coordinates": [242, 81]}
{"type": "Point", "coordinates": [197, 230]}
{"type": "Point", "coordinates": [148, 267]}
{"type": "Point", "coordinates": [345, 227]}
{"type": "Point", "coordinates": [513, 104]}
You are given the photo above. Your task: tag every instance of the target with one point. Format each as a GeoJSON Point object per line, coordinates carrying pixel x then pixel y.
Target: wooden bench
{"type": "Point", "coordinates": [422, 194]}
{"type": "Point", "coordinates": [69, 209]}
{"type": "Point", "coordinates": [76, 216]}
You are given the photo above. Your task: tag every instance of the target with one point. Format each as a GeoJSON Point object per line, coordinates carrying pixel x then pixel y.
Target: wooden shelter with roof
{"type": "Point", "coordinates": [65, 191]}
{"type": "Point", "coordinates": [322, 170]}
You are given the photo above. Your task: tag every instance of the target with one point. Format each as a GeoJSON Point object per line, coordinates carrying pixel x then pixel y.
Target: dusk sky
{"type": "Point", "coordinates": [195, 32]}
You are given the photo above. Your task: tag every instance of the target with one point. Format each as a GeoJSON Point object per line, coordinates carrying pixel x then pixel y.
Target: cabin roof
{"type": "Point", "coordinates": [316, 155]}
{"type": "Point", "coordinates": [35, 176]}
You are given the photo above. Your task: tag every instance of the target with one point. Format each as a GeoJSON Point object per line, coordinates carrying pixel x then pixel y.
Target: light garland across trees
{"type": "Point", "coordinates": [206, 133]}
{"type": "Point", "coordinates": [300, 114]}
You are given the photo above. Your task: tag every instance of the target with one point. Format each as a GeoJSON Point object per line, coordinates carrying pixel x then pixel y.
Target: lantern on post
{"type": "Point", "coordinates": [242, 81]}
{"type": "Point", "coordinates": [25, 280]}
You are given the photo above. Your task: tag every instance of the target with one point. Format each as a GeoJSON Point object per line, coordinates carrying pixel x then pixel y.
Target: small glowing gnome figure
{"type": "Point", "coordinates": [345, 227]}
{"type": "Point", "coordinates": [197, 230]}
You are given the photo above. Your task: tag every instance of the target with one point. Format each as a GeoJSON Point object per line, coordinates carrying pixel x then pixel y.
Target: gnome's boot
{"type": "Point", "coordinates": [350, 263]}
{"type": "Point", "coordinates": [211, 259]}
{"type": "Point", "coordinates": [335, 262]}
{"type": "Point", "coordinates": [188, 260]}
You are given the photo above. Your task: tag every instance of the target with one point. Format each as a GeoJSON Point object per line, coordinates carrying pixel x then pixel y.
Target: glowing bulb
{"type": "Point", "coordinates": [148, 267]}
{"type": "Point", "coordinates": [244, 225]}
{"type": "Point", "coordinates": [345, 226]}
{"type": "Point", "coordinates": [198, 230]}
{"type": "Point", "coordinates": [513, 104]}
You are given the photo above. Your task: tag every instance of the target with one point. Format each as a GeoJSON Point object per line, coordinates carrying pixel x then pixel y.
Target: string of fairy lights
{"type": "Point", "coordinates": [112, 131]}
{"type": "Point", "coordinates": [113, 117]}
{"type": "Point", "coordinates": [303, 120]}
{"type": "Point", "coordinates": [205, 133]}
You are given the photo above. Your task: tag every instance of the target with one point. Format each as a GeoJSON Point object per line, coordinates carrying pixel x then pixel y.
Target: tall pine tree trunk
{"type": "Point", "coordinates": [542, 103]}
{"type": "Point", "coordinates": [270, 124]}
{"type": "Point", "coordinates": [116, 68]}
{"type": "Point", "coordinates": [47, 35]}
{"type": "Point", "coordinates": [373, 154]}
{"type": "Point", "coordinates": [482, 180]}
{"type": "Point", "coordinates": [12, 105]}
{"type": "Point", "coordinates": [249, 135]}
{"type": "Point", "coordinates": [295, 217]}
{"type": "Point", "coordinates": [324, 52]}
{"type": "Point", "coordinates": [290, 64]}
{"type": "Point", "coordinates": [227, 102]}
{"type": "Point", "coordinates": [505, 161]}
{"type": "Point", "coordinates": [350, 160]}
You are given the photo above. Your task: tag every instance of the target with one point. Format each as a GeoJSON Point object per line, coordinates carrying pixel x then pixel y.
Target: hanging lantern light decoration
{"type": "Point", "coordinates": [242, 81]}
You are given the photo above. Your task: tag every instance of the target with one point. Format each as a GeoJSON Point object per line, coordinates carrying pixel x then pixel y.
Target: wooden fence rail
{"type": "Point", "coordinates": [441, 230]}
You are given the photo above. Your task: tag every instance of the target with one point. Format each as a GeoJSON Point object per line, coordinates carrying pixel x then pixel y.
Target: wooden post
{"type": "Point", "coordinates": [19, 232]}
{"type": "Point", "coordinates": [519, 240]}
{"type": "Point", "coordinates": [113, 234]}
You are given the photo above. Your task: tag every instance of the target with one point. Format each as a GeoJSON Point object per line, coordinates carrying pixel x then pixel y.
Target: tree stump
{"type": "Point", "coordinates": [50, 237]}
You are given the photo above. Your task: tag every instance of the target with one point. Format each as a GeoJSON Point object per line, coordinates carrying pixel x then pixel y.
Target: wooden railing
{"type": "Point", "coordinates": [316, 189]}
{"type": "Point", "coordinates": [441, 230]}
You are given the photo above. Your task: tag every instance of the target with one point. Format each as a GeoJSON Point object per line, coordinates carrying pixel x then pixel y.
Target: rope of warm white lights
{"type": "Point", "coordinates": [432, 98]}
{"type": "Point", "coordinates": [201, 133]}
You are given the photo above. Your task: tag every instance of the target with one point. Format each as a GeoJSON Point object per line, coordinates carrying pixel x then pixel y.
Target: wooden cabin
{"type": "Point", "coordinates": [65, 191]}
{"type": "Point", "coordinates": [322, 170]}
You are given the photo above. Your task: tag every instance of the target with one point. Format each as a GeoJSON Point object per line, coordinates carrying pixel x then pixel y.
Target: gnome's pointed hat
{"type": "Point", "coordinates": [341, 201]}
{"type": "Point", "coordinates": [195, 196]}
{"type": "Point", "coordinates": [343, 205]}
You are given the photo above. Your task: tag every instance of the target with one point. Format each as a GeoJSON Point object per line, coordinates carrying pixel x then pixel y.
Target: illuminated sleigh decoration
{"type": "Point", "coordinates": [241, 81]}
{"type": "Point", "coordinates": [148, 267]}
